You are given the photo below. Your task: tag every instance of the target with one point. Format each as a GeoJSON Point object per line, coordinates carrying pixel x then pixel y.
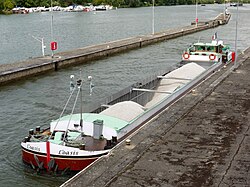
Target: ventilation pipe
{"type": "Point", "coordinates": [98, 127]}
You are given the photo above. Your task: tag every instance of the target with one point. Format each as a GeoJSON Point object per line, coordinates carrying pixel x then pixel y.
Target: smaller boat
{"type": "Point", "coordinates": [20, 10]}
{"type": "Point", "coordinates": [215, 51]}
{"type": "Point", "coordinates": [236, 4]}
{"type": "Point", "coordinates": [103, 7]}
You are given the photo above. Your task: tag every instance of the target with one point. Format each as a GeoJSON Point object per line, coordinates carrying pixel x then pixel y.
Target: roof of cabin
{"type": "Point", "coordinates": [206, 44]}
{"type": "Point", "coordinates": [109, 121]}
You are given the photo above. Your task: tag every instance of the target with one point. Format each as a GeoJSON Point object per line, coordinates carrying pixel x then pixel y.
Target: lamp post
{"type": "Point", "coordinates": [196, 14]}
{"type": "Point", "coordinates": [51, 28]}
{"type": "Point", "coordinates": [225, 9]}
{"type": "Point", "coordinates": [153, 17]}
{"type": "Point", "coordinates": [236, 35]}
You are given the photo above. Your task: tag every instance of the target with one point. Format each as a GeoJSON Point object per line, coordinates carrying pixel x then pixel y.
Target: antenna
{"type": "Point", "coordinates": [199, 39]}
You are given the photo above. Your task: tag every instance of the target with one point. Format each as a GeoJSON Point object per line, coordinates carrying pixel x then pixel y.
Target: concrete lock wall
{"type": "Point", "coordinates": [83, 55]}
{"type": "Point", "coordinates": [21, 73]}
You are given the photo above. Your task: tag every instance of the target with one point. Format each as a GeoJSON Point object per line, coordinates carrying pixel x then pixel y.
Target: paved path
{"type": "Point", "coordinates": [201, 140]}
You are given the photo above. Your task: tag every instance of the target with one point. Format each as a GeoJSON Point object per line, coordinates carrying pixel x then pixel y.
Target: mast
{"type": "Point", "coordinates": [79, 83]}
{"type": "Point", "coordinates": [80, 87]}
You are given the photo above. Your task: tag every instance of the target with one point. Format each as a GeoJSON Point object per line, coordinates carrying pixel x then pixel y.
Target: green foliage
{"type": "Point", "coordinates": [1, 4]}
{"type": "Point", "coordinates": [97, 2]}
{"type": "Point", "coordinates": [7, 5]}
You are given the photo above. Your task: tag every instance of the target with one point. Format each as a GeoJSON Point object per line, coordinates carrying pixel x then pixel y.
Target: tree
{"type": "Point", "coordinates": [20, 3]}
{"type": "Point", "coordinates": [1, 4]}
{"type": "Point", "coordinates": [97, 2]}
{"type": "Point", "coordinates": [8, 5]}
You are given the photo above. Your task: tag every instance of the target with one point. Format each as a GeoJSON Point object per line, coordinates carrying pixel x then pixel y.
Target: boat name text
{"type": "Point", "coordinates": [34, 148]}
{"type": "Point", "coordinates": [63, 152]}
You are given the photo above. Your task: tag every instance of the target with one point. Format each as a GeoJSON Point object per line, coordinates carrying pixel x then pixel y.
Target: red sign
{"type": "Point", "coordinates": [53, 46]}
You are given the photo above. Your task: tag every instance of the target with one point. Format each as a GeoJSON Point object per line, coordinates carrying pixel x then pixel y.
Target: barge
{"type": "Point", "coordinates": [75, 140]}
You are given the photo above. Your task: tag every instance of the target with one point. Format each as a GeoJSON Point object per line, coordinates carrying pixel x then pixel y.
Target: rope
{"type": "Point", "coordinates": [64, 108]}
{"type": "Point", "coordinates": [72, 111]}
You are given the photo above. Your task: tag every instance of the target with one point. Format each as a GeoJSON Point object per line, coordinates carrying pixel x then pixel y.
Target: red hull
{"type": "Point", "coordinates": [73, 164]}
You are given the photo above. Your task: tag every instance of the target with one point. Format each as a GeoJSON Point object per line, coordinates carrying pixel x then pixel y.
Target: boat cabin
{"type": "Point", "coordinates": [207, 47]}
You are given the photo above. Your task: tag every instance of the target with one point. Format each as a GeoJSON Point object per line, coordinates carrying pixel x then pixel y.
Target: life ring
{"type": "Point", "coordinates": [186, 55]}
{"type": "Point", "coordinates": [212, 57]}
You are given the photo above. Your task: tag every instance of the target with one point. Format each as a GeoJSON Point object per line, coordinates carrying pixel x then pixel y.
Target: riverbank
{"type": "Point", "coordinates": [5, 12]}
{"type": "Point", "coordinates": [19, 70]}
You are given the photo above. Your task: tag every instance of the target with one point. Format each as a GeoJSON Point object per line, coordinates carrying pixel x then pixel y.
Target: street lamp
{"type": "Point", "coordinates": [225, 8]}
{"type": "Point", "coordinates": [51, 27]}
{"type": "Point", "coordinates": [153, 17]}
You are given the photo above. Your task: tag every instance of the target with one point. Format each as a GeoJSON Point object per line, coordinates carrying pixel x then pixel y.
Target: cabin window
{"type": "Point", "coordinates": [200, 48]}
{"type": "Point", "coordinates": [211, 48]}
{"type": "Point", "coordinates": [206, 48]}
{"type": "Point", "coordinates": [192, 49]}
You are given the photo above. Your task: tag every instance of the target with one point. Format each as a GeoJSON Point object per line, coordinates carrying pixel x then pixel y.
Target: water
{"type": "Point", "coordinates": [79, 29]}
{"type": "Point", "coordinates": [28, 103]}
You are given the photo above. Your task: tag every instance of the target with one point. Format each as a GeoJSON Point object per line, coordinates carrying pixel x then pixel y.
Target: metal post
{"type": "Point", "coordinates": [236, 35]}
{"type": "Point", "coordinates": [43, 47]}
{"type": "Point", "coordinates": [196, 14]}
{"type": "Point", "coordinates": [51, 27]}
{"type": "Point", "coordinates": [153, 17]}
{"type": "Point", "coordinates": [81, 124]}
{"type": "Point", "coordinates": [224, 9]}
